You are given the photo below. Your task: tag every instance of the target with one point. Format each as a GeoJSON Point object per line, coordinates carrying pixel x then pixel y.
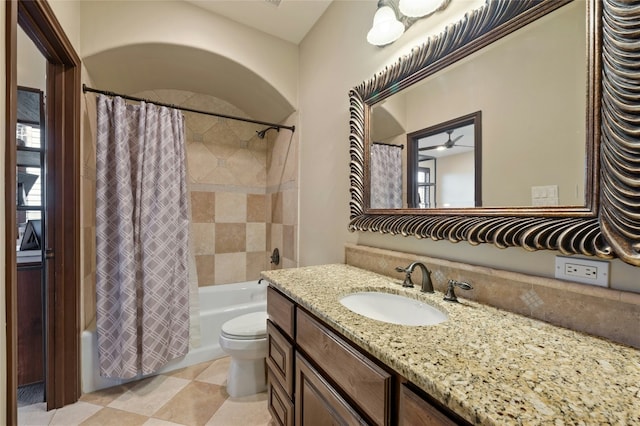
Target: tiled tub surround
{"type": "Point", "coordinates": [600, 311]}
{"type": "Point", "coordinates": [488, 365]}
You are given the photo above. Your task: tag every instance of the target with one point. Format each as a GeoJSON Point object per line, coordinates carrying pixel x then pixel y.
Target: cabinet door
{"type": "Point", "coordinates": [280, 406]}
{"type": "Point", "coordinates": [415, 411]}
{"type": "Point", "coordinates": [353, 374]}
{"type": "Point", "coordinates": [30, 326]}
{"type": "Point", "coordinates": [280, 358]}
{"type": "Point", "coordinates": [317, 403]}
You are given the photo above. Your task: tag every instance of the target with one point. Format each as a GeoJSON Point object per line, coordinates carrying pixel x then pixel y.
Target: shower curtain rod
{"type": "Point", "coordinates": [389, 144]}
{"type": "Point", "coordinates": [86, 89]}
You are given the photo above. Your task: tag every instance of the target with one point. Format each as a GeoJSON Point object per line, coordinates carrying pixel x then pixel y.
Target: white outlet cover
{"type": "Point", "coordinates": [601, 279]}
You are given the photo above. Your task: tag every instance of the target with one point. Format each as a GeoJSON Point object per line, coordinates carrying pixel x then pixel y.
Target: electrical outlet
{"type": "Point", "coordinates": [586, 271]}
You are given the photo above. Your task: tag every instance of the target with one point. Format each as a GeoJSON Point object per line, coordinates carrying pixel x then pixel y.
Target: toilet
{"type": "Point", "coordinates": [244, 339]}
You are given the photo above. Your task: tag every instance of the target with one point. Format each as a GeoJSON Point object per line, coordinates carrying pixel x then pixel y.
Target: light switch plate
{"type": "Point", "coordinates": [585, 271]}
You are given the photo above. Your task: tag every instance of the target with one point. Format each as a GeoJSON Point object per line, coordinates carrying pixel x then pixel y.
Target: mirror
{"type": "Point", "coordinates": [531, 86]}
{"type": "Point", "coordinates": [444, 166]}
{"type": "Point", "coordinates": [604, 222]}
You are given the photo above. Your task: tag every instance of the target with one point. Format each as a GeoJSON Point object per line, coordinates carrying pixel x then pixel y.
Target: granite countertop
{"type": "Point", "coordinates": [488, 365]}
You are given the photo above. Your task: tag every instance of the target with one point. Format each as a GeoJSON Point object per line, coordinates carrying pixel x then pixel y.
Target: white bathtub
{"type": "Point", "coordinates": [218, 304]}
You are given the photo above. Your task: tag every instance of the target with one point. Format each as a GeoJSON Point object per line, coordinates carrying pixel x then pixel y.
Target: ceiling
{"type": "Point", "coordinates": [289, 20]}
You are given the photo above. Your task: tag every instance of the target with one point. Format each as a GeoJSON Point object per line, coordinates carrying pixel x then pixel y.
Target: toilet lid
{"type": "Point", "coordinates": [247, 326]}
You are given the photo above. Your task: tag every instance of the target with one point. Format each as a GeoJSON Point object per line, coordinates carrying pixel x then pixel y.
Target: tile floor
{"type": "Point", "coordinates": [192, 396]}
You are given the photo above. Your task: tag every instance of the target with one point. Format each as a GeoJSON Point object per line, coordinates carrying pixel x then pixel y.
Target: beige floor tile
{"type": "Point", "coordinates": [247, 411]}
{"type": "Point", "coordinates": [105, 396]}
{"type": "Point", "coordinates": [194, 404]}
{"type": "Point", "coordinates": [74, 414]}
{"type": "Point", "coordinates": [158, 422]}
{"type": "Point", "coordinates": [35, 415]}
{"type": "Point", "coordinates": [149, 395]}
{"type": "Point", "coordinates": [216, 373]}
{"type": "Point", "coordinates": [190, 372]}
{"type": "Point", "coordinates": [113, 417]}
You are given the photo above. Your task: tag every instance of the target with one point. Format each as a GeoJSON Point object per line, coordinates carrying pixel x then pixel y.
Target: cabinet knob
{"type": "Point", "coordinates": [48, 253]}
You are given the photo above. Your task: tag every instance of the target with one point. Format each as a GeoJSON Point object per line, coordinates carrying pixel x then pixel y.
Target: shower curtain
{"type": "Point", "coordinates": [142, 238]}
{"type": "Point", "coordinates": [386, 176]}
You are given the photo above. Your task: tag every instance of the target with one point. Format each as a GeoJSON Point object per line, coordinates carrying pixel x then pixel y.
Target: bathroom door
{"type": "Point", "coordinates": [62, 299]}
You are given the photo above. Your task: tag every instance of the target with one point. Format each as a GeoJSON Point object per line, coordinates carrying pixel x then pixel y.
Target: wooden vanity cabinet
{"type": "Point", "coordinates": [317, 378]}
{"type": "Point", "coordinates": [281, 311]}
{"type": "Point", "coordinates": [280, 357]}
{"type": "Point", "coordinates": [357, 376]}
{"type": "Point", "coordinates": [30, 325]}
{"type": "Point", "coordinates": [416, 411]}
{"type": "Point", "coordinates": [317, 402]}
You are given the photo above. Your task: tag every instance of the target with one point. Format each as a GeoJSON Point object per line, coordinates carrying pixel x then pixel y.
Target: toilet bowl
{"type": "Point", "coordinates": [244, 339]}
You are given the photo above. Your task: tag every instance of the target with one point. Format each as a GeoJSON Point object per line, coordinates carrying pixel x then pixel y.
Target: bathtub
{"type": "Point", "coordinates": [218, 304]}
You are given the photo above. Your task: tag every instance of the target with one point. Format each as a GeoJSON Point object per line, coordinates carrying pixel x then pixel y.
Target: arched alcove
{"type": "Point", "coordinates": [136, 68]}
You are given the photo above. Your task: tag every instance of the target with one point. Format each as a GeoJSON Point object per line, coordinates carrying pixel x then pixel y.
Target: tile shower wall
{"type": "Point", "coordinates": [243, 193]}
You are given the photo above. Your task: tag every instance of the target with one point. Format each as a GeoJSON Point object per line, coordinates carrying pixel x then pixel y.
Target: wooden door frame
{"type": "Point", "coordinates": [62, 298]}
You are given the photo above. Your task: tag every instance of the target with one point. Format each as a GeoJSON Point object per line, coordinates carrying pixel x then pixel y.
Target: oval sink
{"type": "Point", "coordinates": [393, 308]}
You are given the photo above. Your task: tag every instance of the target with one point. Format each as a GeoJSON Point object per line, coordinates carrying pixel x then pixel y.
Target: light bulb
{"type": "Point", "coordinates": [418, 8]}
{"type": "Point", "coordinates": [386, 27]}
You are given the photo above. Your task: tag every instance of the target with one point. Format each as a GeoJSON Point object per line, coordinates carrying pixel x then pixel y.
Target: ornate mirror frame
{"type": "Point", "coordinates": [609, 225]}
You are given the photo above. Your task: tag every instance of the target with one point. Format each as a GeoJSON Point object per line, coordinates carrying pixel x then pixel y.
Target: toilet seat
{"type": "Point", "coordinates": [246, 327]}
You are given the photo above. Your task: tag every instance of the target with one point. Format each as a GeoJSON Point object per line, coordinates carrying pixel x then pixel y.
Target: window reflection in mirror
{"type": "Point", "coordinates": [444, 164]}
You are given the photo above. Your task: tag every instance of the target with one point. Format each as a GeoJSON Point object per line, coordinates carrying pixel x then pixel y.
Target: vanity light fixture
{"type": "Point", "coordinates": [386, 27]}
{"type": "Point", "coordinates": [418, 8]}
{"type": "Point", "coordinates": [390, 20]}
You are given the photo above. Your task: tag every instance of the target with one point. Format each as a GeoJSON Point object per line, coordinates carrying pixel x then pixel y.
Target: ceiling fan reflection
{"type": "Point", "coordinates": [447, 145]}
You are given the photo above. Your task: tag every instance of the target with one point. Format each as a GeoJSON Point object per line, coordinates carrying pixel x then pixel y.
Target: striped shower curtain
{"type": "Point", "coordinates": [386, 176]}
{"type": "Point", "coordinates": [142, 238]}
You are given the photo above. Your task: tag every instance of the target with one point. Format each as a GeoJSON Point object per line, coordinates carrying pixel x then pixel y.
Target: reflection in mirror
{"type": "Point", "coordinates": [605, 223]}
{"type": "Point", "coordinates": [386, 179]}
{"type": "Point", "coordinates": [445, 164]}
{"type": "Point", "coordinates": [531, 87]}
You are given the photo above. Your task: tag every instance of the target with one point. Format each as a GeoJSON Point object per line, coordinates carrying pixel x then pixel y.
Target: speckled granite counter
{"type": "Point", "coordinates": [489, 366]}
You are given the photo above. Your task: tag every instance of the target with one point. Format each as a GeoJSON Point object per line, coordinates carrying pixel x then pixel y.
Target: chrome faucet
{"type": "Point", "coordinates": [451, 294]}
{"type": "Point", "coordinates": [427, 286]}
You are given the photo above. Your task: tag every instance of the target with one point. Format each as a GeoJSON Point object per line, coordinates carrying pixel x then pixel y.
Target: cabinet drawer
{"type": "Point", "coordinates": [280, 358]}
{"type": "Point", "coordinates": [415, 411]}
{"type": "Point", "coordinates": [280, 406]}
{"type": "Point", "coordinates": [317, 403]}
{"type": "Point", "coordinates": [357, 376]}
{"type": "Point", "coordinates": [281, 311]}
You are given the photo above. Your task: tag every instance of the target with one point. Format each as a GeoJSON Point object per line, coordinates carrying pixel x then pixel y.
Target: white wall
{"type": "Point", "coordinates": [115, 24]}
{"type": "Point", "coordinates": [455, 180]}
{"type": "Point", "coordinates": [32, 71]}
{"type": "Point", "coordinates": [331, 64]}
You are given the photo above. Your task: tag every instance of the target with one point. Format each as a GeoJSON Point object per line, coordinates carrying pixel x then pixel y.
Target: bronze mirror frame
{"type": "Point", "coordinates": [608, 226]}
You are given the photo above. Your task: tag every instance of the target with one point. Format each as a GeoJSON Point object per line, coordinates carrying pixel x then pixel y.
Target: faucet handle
{"type": "Point", "coordinates": [407, 276]}
{"type": "Point", "coordinates": [451, 294]}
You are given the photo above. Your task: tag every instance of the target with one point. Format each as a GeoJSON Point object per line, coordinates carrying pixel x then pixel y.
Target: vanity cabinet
{"type": "Point", "coordinates": [357, 376]}
{"type": "Point", "coordinates": [317, 377]}
{"type": "Point", "coordinates": [280, 357]}
{"type": "Point", "coordinates": [319, 403]}
{"type": "Point", "coordinates": [416, 411]}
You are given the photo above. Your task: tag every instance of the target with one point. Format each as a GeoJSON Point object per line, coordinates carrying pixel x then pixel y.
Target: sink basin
{"type": "Point", "coordinates": [393, 308]}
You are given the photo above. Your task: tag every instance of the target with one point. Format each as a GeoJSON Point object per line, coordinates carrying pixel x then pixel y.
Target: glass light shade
{"type": "Point", "coordinates": [386, 27]}
{"type": "Point", "coordinates": [418, 8]}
